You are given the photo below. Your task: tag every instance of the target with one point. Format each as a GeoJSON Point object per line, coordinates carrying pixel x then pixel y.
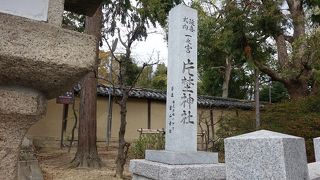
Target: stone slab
{"type": "Point", "coordinates": [43, 57]}
{"type": "Point", "coordinates": [144, 170]}
{"type": "Point", "coordinates": [266, 155]}
{"type": "Point", "coordinates": [316, 145]}
{"type": "Point", "coordinates": [314, 171]}
{"type": "Point", "coordinates": [22, 101]}
{"type": "Point", "coordinates": [172, 157]}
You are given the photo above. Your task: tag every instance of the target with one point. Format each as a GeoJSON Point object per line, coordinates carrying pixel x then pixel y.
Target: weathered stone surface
{"type": "Point", "coordinates": [41, 56]}
{"type": "Point", "coordinates": [171, 157]}
{"type": "Point", "coordinates": [14, 123]}
{"type": "Point", "coordinates": [55, 12]}
{"type": "Point", "coordinates": [181, 106]}
{"type": "Point", "coordinates": [29, 170]}
{"type": "Point", "coordinates": [266, 155]}
{"type": "Point", "coordinates": [316, 144]}
{"type": "Point", "coordinates": [18, 100]}
{"type": "Point", "coordinates": [314, 171]}
{"type": "Point", "coordinates": [143, 170]}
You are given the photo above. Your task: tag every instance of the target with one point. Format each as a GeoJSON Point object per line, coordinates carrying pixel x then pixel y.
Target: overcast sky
{"type": "Point", "coordinates": [155, 46]}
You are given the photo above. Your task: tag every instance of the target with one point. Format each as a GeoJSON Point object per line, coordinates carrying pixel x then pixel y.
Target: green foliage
{"type": "Point", "coordinates": [159, 80]}
{"type": "Point", "coordinates": [130, 71]}
{"type": "Point", "coordinates": [278, 93]}
{"type": "Point", "coordinates": [145, 78]}
{"type": "Point", "coordinates": [220, 37]}
{"type": "Point", "coordinates": [145, 142]}
{"type": "Point", "coordinates": [73, 21]}
{"type": "Point", "coordinates": [300, 118]}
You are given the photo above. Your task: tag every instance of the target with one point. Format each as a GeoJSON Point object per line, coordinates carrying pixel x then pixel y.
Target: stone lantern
{"type": "Point", "coordinates": [38, 61]}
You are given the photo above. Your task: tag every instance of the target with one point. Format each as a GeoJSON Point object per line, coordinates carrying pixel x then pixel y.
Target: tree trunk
{"type": "Point", "coordinates": [297, 89]}
{"type": "Point", "coordinates": [123, 145]}
{"type": "Point", "coordinates": [227, 74]}
{"type": "Point", "coordinates": [257, 97]}
{"type": "Point", "coordinates": [87, 154]}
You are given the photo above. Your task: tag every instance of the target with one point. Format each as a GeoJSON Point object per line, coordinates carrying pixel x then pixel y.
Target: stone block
{"type": "Point", "coordinates": [172, 157]}
{"type": "Point", "coordinates": [314, 171]}
{"type": "Point", "coordinates": [144, 170]}
{"type": "Point", "coordinates": [266, 155]}
{"type": "Point", "coordinates": [22, 101]}
{"type": "Point", "coordinates": [316, 145]}
{"type": "Point", "coordinates": [43, 57]}
{"type": "Point", "coordinates": [55, 12]}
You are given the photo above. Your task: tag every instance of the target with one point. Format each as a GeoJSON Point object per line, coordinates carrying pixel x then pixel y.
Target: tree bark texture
{"type": "Point", "coordinates": [227, 74]}
{"type": "Point", "coordinates": [87, 154]}
{"type": "Point", "coordinates": [123, 145]}
{"type": "Point", "coordinates": [257, 97]}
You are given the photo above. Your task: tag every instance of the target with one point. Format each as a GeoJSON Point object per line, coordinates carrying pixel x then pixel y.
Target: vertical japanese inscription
{"type": "Point", "coordinates": [181, 108]}
{"type": "Point", "coordinates": [188, 72]}
{"type": "Point", "coordinates": [172, 107]}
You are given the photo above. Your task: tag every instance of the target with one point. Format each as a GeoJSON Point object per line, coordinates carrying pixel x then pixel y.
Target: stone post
{"type": "Point", "coordinates": [180, 159]}
{"type": "Point", "coordinates": [266, 155]}
{"type": "Point", "coordinates": [316, 145]}
{"type": "Point", "coordinates": [19, 109]}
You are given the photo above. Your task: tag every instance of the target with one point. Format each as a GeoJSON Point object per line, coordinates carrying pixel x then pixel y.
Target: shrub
{"type": "Point", "coordinates": [299, 118]}
{"type": "Point", "coordinates": [145, 142]}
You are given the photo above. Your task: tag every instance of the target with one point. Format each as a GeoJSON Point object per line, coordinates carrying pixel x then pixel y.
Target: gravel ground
{"type": "Point", "coordinates": [54, 165]}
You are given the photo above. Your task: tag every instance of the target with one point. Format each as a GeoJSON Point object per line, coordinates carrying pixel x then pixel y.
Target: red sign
{"type": "Point", "coordinates": [67, 98]}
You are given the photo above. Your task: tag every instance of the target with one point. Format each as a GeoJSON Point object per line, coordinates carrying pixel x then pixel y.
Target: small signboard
{"type": "Point", "coordinates": [32, 9]}
{"type": "Point", "coordinates": [67, 98]}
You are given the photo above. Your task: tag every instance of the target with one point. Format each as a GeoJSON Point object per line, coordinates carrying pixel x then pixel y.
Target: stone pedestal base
{"type": "Point", "coordinates": [171, 157]}
{"type": "Point", "coordinates": [266, 155]}
{"type": "Point", "coordinates": [19, 109]}
{"type": "Point", "coordinates": [314, 171]}
{"type": "Point", "coordinates": [147, 170]}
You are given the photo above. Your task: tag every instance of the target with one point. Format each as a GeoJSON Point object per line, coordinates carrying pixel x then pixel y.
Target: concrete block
{"type": "Point", "coordinates": [172, 157]}
{"type": "Point", "coordinates": [41, 56]}
{"type": "Point", "coordinates": [314, 171]}
{"type": "Point", "coordinates": [144, 170]}
{"type": "Point", "coordinates": [316, 145]}
{"type": "Point", "coordinates": [266, 155]}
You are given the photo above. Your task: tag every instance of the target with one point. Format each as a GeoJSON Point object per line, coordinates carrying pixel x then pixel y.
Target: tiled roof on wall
{"type": "Point", "coordinates": [203, 101]}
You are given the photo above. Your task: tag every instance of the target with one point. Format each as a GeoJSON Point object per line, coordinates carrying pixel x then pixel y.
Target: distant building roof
{"type": "Point", "coordinates": [203, 101]}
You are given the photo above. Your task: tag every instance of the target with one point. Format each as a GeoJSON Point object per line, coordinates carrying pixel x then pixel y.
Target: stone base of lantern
{"type": "Point", "coordinates": [148, 170]}
{"type": "Point", "coordinates": [19, 109]}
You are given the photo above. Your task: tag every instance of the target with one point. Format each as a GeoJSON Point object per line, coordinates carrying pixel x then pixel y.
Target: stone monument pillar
{"type": "Point", "coordinates": [38, 61]}
{"type": "Point", "coordinates": [180, 159]}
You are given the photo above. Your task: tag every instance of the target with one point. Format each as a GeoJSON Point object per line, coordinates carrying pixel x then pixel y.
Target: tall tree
{"type": "Point", "coordinates": [279, 29]}
{"type": "Point", "coordinates": [277, 34]}
{"type": "Point", "coordinates": [135, 16]}
{"type": "Point", "coordinates": [220, 66]}
{"type": "Point", "coordinates": [87, 154]}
